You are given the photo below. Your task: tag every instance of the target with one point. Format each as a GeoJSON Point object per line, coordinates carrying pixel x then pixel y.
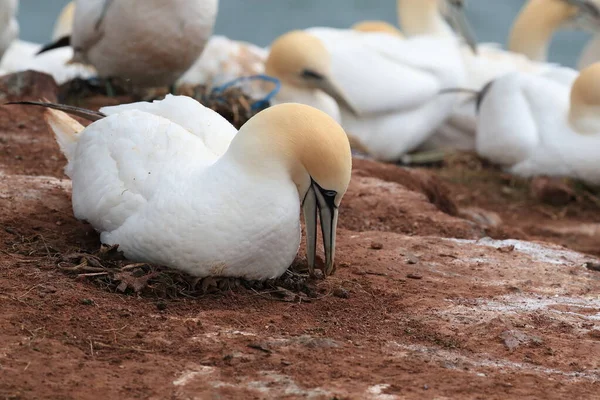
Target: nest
{"type": "Point", "coordinates": [108, 269]}
{"type": "Point", "coordinates": [232, 102]}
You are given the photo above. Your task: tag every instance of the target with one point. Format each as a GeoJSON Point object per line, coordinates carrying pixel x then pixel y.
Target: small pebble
{"type": "Point", "coordinates": [506, 249]}
{"type": "Point", "coordinates": [341, 293]}
{"type": "Point", "coordinates": [592, 266]}
{"type": "Point", "coordinates": [414, 276]}
{"type": "Point", "coordinates": [161, 305]}
{"type": "Point", "coordinates": [412, 259]}
{"type": "Point", "coordinates": [87, 302]}
{"type": "Point", "coordinates": [376, 245]}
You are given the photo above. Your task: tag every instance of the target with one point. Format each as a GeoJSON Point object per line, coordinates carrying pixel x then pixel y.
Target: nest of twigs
{"type": "Point", "coordinates": [108, 269]}
{"type": "Point", "coordinates": [232, 103]}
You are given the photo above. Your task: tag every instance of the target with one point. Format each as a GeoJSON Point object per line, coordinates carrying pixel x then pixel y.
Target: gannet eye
{"type": "Point", "coordinates": [309, 74]}
{"type": "Point", "coordinates": [329, 193]}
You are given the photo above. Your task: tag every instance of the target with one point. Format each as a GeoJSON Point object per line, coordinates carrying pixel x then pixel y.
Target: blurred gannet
{"type": "Point", "coordinates": [151, 43]}
{"type": "Point", "coordinates": [533, 125]}
{"type": "Point", "coordinates": [384, 88]}
{"type": "Point", "coordinates": [172, 183]}
{"type": "Point", "coordinates": [22, 55]}
{"type": "Point", "coordinates": [532, 30]}
{"type": "Point", "coordinates": [539, 20]}
{"type": "Point", "coordinates": [9, 26]}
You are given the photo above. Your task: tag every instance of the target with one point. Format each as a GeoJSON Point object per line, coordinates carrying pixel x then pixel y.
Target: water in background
{"type": "Point", "coordinates": [260, 21]}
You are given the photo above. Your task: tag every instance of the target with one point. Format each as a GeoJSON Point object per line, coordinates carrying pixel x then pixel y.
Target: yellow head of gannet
{"type": "Point", "coordinates": [314, 149]}
{"type": "Point", "coordinates": [540, 19]}
{"type": "Point", "coordinates": [64, 23]}
{"type": "Point", "coordinates": [377, 26]}
{"type": "Point", "coordinates": [299, 59]}
{"type": "Point", "coordinates": [428, 17]}
{"type": "Point", "coordinates": [584, 113]}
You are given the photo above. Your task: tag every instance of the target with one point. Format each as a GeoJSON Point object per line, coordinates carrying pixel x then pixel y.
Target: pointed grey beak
{"type": "Point", "coordinates": [329, 87]}
{"type": "Point", "coordinates": [318, 199]}
{"type": "Point", "coordinates": [458, 20]}
{"type": "Point", "coordinates": [588, 17]}
{"type": "Point", "coordinates": [322, 82]}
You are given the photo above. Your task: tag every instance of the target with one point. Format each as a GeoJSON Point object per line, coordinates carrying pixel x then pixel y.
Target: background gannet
{"type": "Point", "coordinates": [539, 20]}
{"type": "Point", "coordinates": [172, 183]}
{"type": "Point", "coordinates": [9, 26]}
{"type": "Point", "coordinates": [22, 55]}
{"type": "Point", "coordinates": [151, 43]}
{"type": "Point", "coordinates": [386, 87]}
{"type": "Point", "coordinates": [534, 125]}
{"type": "Point", "coordinates": [533, 28]}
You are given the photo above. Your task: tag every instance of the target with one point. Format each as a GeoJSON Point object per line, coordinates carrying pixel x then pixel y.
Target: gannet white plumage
{"type": "Point", "coordinates": [172, 183]}
{"type": "Point", "coordinates": [22, 55]}
{"type": "Point", "coordinates": [151, 43]}
{"type": "Point", "coordinates": [385, 87]}
{"type": "Point", "coordinates": [533, 125]}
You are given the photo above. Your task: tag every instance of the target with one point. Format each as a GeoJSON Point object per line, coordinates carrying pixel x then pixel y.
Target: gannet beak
{"type": "Point", "coordinates": [482, 93]}
{"type": "Point", "coordinates": [588, 17]}
{"type": "Point", "coordinates": [458, 19]}
{"type": "Point", "coordinates": [329, 87]}
{"type": "Point", "coordinates": [338, 94]}
{"type": "Point", "coordinates": [322, 200]}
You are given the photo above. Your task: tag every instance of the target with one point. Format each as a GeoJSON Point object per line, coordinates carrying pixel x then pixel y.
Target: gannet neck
{"type": "Point", "coordinates": [422, 17]}
{"type": "Point", "coordinates": [584, 112]}
{"type": "Point", "coordinates": [377, 26]}
{"type": "Point", "coordinates": [533, 29]}
{"type": "Point", "coordinates": [302, 141]}
{"type": "Point", "coordinates": [64, 23]}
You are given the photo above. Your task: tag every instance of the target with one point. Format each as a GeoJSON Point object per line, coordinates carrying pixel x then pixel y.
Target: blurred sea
{"type": "Point", "coordinates": [260, 21]}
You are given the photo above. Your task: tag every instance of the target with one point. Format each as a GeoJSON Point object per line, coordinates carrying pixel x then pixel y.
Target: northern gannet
{"type": "Point", "coordinates": [22, 55]}
{"type": "Point", "coordinates": [151, 43]}
{"type": "Point", "coordinates": [533, 125]}
{"type": "Point", "coordinates": [532, 30]}
{"type": "Point", "coordinates": [383, 88]}
{"type": "Point", "coordinates": [172, 183]}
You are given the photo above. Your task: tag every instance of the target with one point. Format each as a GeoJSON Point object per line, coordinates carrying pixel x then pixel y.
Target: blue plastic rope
{"type": "Point", "coordinates": [259, 103]}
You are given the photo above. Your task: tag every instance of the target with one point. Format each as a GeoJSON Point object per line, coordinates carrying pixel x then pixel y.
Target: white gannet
{"type": "Point", "coordinates": [22, 55]}
{"type": "Point", "coordinates": [533, 125]}
{"type": "Point", "coordinates": [534, 26]}
{"type": "Point", "coordinates": [384, 88]}
{"type": "Point", "coordinates": [172, 183]}
{"type": "Point", "coordinates": [9, 26]}
{"type": "Point", "coordinates": [151, 43]}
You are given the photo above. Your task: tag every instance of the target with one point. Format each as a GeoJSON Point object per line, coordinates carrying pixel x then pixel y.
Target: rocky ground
{"type": "Point", "coordinates": [455, 281]}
